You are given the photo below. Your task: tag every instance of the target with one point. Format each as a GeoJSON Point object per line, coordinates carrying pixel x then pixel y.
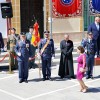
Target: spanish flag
{"type": "Point", "coordinates": [36, 35]}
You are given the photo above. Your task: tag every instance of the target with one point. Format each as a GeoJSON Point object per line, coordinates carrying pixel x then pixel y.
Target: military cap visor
{"type": "Point", "coordinates": [89, 33]}
{"type": "Point", "coordinates": [22, 34]}
{"type": "Point", "coordinates": [46, 32]}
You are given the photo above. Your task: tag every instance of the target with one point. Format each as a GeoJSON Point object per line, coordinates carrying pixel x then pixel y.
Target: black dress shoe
{"type": "Point", "coordinates": [91, 77]}
{"type": "Point", "coordinates": [20, 81]}
{"type": "Point", "coordinates": [26, 81]}
{"type": "Point", "coordinates": [44, 79]}
{"type": "Point", "coordinates": [49, 78]}
{"type": "Point", "coordinates": [73, 77]}
{"type": "Point", "coordinates": [87, 77]}
{"type": "Point", "coordinates": [62, 77]}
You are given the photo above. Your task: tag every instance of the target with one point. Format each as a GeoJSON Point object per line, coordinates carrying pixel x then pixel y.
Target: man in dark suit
{"type": "Point", "coordinates": [1, 41]}
{"type": "Point", "coordinates": [95, 29]}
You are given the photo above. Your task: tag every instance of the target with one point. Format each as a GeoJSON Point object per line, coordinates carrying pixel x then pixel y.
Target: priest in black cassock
{"type": "Point", "coordinates": [66, 59]}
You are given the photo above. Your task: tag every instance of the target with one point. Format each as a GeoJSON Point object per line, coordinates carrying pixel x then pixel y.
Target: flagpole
{"type": "Point", "coordinates": [51, 18]}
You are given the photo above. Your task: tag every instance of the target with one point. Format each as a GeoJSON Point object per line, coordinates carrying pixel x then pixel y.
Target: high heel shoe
{"type": "Point", "coordinates": [81, 90]}
{"type": "Point", "coordinates": [84, 90]}
{"type": "Point", "coordinates": [86, 87]}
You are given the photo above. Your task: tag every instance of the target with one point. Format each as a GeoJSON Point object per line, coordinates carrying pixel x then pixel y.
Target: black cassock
{"type": "Point", "coordinates": [66, 59]}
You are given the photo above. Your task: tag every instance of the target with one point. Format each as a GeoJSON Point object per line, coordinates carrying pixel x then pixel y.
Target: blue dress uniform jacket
{"type": "Point", "coordinates": [25, 51]}
{"type": "Point", "coordinates": [46, 57]}
{"type": "Point", "coordinates": [49, 51]}
{"type": "Point", "coordinates": [91, 49]}
{"type": "Point", "coordinates": [23, 47]}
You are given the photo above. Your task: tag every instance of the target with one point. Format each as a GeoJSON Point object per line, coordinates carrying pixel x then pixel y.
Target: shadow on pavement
{"type": "Point", "coordinates": [94, 90]}
{"type": "Point", "coordinates": [97, 77]}
{"type": "Point", "coordinates": [52, 79]}
{"type": "Point", "coordinates": [35, 80]}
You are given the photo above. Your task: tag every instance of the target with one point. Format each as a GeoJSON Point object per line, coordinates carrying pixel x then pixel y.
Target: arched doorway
{"type": "Point", "coordinates": [30, 9]}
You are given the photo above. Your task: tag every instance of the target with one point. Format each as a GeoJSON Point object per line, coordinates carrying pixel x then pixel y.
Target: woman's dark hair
{"type": "Point", "coordinates": [81, 49]}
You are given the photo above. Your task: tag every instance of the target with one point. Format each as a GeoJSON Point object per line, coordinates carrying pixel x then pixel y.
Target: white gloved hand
{"type": "Point", "coordinates": [53, 58]}
{"type": "Point", "coordinates": [30, 58]}
{"type": "Point", "coordinates": [19, 54]}
{"type": "Point", "coordinates": [38, 55]}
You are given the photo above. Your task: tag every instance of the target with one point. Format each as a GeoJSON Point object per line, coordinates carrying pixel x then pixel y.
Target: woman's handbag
{"type": "Point", "coordinates": [83, 69]}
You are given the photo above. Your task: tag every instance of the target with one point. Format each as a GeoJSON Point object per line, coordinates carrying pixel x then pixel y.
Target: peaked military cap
{"type": "Point", "coordinates": [89, 33]}
{"type": "Point", "coordinates": [22, 33]}
{"type": "Point", "coordinates": [46, 32]}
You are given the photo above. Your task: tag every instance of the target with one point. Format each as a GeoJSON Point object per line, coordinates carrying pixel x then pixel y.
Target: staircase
{"type": "Point", "coordinates": [55, 61]}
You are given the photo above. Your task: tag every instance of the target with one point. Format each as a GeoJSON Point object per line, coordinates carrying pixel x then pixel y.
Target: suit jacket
{"type": "Point", "coordinates": [1, 41]}
{"type": "Point", "coordinates": [96, 33]}
{"type": "Point", "coordinates": [24, 49]}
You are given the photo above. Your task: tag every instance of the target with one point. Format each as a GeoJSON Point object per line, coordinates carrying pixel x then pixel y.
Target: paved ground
{"type": "Point", "coordinates": [58, 89]}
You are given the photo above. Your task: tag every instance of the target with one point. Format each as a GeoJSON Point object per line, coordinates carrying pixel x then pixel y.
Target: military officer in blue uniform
{"type": "Point", "coordinates": [23, 52]}
{"type": "Point", "coordinates": [90, 48]}
{"type": "Point", "coordinates": [46, 49]}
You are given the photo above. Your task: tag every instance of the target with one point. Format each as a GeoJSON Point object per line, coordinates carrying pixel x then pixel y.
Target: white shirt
{"type": "Point", "coordinates": [97, 25]}
{"type": "Point", "coordinates": [89, 40]}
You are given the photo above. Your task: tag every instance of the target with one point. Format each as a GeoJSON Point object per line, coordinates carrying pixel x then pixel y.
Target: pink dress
{"type": "Point", "coordinates": [81, 64]}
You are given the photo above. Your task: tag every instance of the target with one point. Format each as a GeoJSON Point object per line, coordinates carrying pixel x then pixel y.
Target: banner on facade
{"type": "Point", "coordinates": [66, 8]}
{"type": "Point", "coordinates": [94, 7]}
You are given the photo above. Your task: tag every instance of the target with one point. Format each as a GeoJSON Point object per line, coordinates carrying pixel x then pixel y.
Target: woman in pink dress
{"type": "Point", "coordinates": [81, 68]}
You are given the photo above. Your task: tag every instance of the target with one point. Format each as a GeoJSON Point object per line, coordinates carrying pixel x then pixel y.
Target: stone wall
{"type": "Point", "coordinates": [74, 36]}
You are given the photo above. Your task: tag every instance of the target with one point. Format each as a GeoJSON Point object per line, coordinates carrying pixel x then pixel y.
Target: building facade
{"type": "Point", "coordinates": [26, 12]}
